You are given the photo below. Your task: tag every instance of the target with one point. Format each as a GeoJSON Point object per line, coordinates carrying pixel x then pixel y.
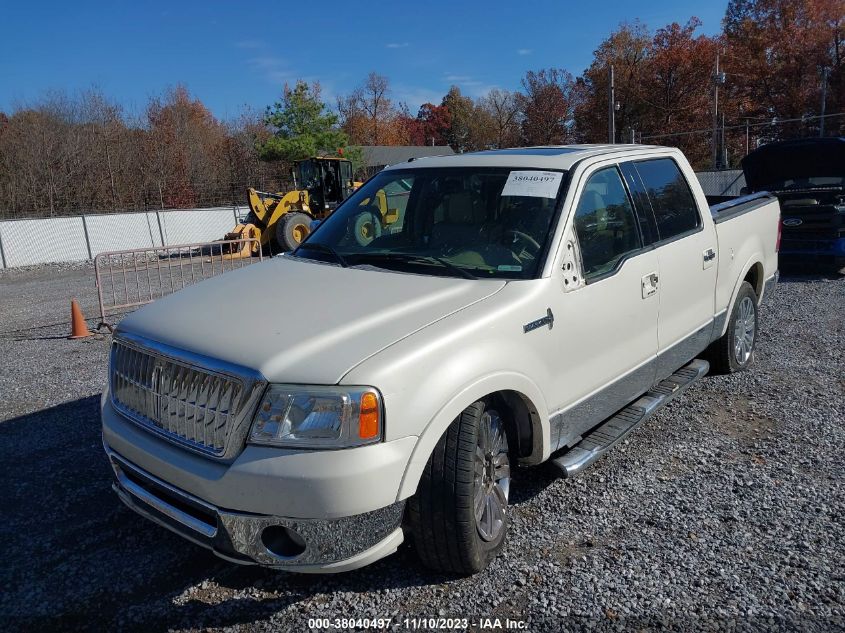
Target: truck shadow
{"type": "Point", "coordinates": [76, 558]}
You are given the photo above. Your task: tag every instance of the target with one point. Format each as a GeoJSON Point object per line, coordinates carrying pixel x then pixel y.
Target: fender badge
{"type": "Point", "coordinates": [549, 320]}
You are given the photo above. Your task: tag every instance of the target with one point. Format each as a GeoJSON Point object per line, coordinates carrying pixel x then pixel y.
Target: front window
{"type": "Point", "coordinates": [471, 222]}
{"type": "Point", "coordinates": [605, 224]}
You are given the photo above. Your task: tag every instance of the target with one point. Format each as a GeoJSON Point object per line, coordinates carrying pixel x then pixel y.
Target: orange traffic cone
{"type": "Point", "coordinates": [78, 326]}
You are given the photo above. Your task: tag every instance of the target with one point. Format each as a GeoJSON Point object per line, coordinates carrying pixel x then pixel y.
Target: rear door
{"type": "Point", "coordinates": [686, 249]}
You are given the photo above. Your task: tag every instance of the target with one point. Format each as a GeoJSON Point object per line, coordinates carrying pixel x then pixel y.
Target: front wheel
{"type": "Point", "coordinates": [735, 350]}
{"type": "Point", "coordinates": [459, 514]}
{"type": "Point", "coordinates": [292, 228]}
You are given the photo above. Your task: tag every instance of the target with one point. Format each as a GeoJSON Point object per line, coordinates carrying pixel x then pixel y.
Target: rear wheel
{"type": "Point", "coordinates": [458, 515]}
{"type": "Point", "coordinates": [735, 350]}
{"type": "Point", "coordinates": [292, 229]}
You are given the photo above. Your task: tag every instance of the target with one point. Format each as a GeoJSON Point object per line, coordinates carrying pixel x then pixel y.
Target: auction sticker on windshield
{"type": "Point", "coordinates": [534, 184]}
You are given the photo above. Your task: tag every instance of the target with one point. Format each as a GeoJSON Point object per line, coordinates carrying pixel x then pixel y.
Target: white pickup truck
{"type": "Point", "coordinates": [510, 307]}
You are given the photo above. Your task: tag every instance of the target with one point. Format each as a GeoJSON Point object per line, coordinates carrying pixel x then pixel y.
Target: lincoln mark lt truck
{"type": "Point", "coordinates": [512, 307]}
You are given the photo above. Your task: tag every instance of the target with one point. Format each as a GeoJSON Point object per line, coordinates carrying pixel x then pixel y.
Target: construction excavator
{"type": "Point", "coordinates": [281, 221]}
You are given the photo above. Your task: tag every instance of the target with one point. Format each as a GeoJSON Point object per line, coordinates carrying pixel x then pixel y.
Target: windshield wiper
{"type": "Point", "coordinates": [426, 259]}
{"type": "Point", "coordinates": [325, 248]}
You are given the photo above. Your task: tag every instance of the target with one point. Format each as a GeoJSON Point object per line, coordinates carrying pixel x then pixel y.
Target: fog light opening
{"type": "Point", "coordinates": [282, 542]}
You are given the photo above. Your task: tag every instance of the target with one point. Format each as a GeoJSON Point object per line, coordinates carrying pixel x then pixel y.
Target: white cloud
{"type": "Point", "coordinates": [459, 79]}
{"type": "Point", "coordinates": [524, 51]}
{"type": "Point", "coordinates": [469, 85]}
{"type": "Point", "coordinates": [274, 69]}
{"type": "Point", "coordinates": [397, 45]}
{"type": "Point", "coordinates": [415, 96]}
{"type": "Point", "coordinates": [250, 44]}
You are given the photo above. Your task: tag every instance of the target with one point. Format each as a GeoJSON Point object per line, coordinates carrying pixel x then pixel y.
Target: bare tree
{"type": "Point", "coordinates": [503, 108]}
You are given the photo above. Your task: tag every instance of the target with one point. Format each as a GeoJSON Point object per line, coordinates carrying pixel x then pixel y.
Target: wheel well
{"type": "Point", "coordinates": [754, 276]}
{"type": "Point", "coordinates": [522, 419]}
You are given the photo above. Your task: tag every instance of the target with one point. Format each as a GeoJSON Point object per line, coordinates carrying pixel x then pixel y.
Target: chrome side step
{"type": "Point", "coordinates": [598, 441]}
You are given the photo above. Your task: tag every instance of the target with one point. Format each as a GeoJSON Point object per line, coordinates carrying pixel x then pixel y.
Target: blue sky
{"type": "Point", "coordinates": [231, 54]}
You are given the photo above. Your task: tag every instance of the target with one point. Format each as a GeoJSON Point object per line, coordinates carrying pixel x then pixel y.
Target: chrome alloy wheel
{"type": "Point", "coordinates": [492, 477]}
{"type": "Point", "coordinates": [745, 329]}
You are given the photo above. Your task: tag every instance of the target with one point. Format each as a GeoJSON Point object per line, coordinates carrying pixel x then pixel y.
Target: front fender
{"type": "Point", "coordinates": [465, 396]}
{"type": "Point", "coordinates": [428, 378]}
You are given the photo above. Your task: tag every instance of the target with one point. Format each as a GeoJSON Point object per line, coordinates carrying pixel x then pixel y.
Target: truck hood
{"type": "Point", "coordinates": [794, 160]}
{"type": "Point", "coordinates": [300, 321]}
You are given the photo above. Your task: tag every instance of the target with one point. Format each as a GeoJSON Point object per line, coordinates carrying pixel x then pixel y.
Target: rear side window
{"type": "Point", "coordinates": [675, 210]}
{"type": "Point", "coordinates": [605, 223]}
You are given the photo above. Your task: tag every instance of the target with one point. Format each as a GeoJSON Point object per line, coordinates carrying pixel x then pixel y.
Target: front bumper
{"type": "Point", "coordinates": [301, 545]}
{"type": "Point", "coordinates": [315, 484]}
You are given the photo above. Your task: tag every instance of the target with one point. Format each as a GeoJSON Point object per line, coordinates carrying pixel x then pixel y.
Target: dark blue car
{"type": "Point", "coordinates": [808, 177]}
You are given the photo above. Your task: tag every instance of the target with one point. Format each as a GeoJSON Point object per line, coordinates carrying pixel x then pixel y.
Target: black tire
{"type": "Point", "coordinates": [442, 515]}
{"type": "Point", "coordinates": [292, 228]}
{"type": "Point", "coordinates": [366, 227]}
{"type": "Point", "coordinates": [723, 356]}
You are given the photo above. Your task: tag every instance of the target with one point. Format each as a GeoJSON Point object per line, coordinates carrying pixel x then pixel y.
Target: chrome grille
{"type": "Point", "coordinates": [181, 401]}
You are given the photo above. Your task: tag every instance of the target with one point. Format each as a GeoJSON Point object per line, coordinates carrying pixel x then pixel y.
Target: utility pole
{"type": "Point", "coordinates": [724, 145]}
{"type": "Point", "coordinates": [746, 137]}
{"type": "Point", "coordinates": [824, 100]}
{"type": "Point", "coordinates": [611, 109]}
{"type": "Point", "coordinates": [716, 115]}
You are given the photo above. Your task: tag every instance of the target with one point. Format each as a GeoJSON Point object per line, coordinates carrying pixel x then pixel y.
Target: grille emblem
{"type": "Point", "coordinates": [793, 222]}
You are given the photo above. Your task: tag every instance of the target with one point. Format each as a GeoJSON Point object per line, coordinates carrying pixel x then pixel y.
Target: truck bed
{"type": "Point", "coordinates": [747, 231]}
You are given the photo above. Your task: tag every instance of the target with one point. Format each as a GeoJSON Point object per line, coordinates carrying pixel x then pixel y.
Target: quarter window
{"type": "Point", "coordinates": [605, 223]}
{"type": "Point", "coordinates": [675, 210]}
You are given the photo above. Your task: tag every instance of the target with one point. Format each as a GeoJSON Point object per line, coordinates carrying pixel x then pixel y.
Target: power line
{"type": "Point", "coordinates": [770, 123]}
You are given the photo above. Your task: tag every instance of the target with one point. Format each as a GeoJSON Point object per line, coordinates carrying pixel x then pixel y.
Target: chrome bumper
{"type": "Point", "coordinates": [303, 545]}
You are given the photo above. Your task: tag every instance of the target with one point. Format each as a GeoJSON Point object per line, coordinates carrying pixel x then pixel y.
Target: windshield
{"type": "Point", "coordinates": [475, 222]}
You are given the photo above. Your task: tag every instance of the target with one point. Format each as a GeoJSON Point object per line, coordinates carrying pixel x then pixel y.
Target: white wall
{"type": "Point", "coordinates": [122, 231]}
{"type": "Point", "coordinates": [45, 240]}
{"type": "Point", "coordinates": [201, 225]}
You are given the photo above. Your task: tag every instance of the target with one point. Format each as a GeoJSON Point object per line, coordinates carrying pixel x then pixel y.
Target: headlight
{"type": "Point", "coordinates": [318, 417]}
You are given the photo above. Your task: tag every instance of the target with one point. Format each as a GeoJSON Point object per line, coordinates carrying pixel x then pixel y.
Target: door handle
{"type": "Point", "coordinates": [649, 284]}
{"type": "Point", "coordinates": [709, 256]}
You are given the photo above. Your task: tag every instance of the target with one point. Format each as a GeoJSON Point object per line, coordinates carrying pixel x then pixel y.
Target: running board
{"type": "Point", "coordinates": [598, 441]}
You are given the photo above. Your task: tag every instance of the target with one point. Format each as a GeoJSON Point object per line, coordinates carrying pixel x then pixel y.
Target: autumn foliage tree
{"type": "Point", "coordinates": [779, 54]}
{"type": "Point", "coordinates": [548, 106]}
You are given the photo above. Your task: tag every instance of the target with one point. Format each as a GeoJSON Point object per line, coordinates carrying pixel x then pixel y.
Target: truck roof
{"type": "Point", "coordinates": [548, 156]}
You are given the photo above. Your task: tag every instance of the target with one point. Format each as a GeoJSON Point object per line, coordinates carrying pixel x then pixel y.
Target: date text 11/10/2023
{"type": "Point", "coordinates": [420, 624]}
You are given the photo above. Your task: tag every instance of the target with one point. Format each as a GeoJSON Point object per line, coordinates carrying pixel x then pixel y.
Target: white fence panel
{"type": "Point", "coordinates": [122, 231]}
{"type": "Point", "coordinates": [188, 226]}
{"type": "Point", "coordinates": [27, 242]}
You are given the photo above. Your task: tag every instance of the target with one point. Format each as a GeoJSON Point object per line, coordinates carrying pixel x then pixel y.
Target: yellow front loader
{"type": "Point", "coordinates": [281, 221]}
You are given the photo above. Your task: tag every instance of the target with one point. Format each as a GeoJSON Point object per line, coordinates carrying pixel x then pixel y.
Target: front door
{"type": "Point", "coordinates": [608, 326]}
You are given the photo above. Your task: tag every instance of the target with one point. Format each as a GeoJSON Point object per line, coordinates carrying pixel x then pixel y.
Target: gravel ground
{"type": "Point", "coordinates": [725, 511]}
